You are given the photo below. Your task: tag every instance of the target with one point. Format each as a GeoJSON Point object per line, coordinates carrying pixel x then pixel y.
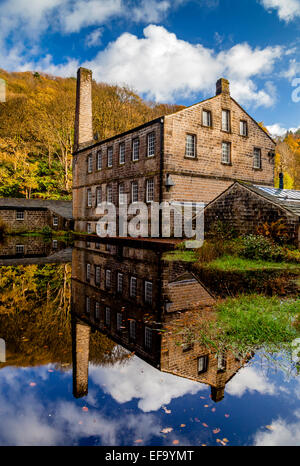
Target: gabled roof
{"type": "Point", "coordinates": [62, 208]}
{"type": "Point", "coordinates": [286, 198]}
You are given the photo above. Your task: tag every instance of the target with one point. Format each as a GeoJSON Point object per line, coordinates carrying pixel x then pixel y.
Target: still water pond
{"type": "Point", "coordinates": [92, 352]}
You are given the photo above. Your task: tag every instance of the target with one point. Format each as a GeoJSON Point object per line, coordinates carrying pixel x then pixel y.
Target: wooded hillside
{"type": "Point", "coordinates": [36, 130]}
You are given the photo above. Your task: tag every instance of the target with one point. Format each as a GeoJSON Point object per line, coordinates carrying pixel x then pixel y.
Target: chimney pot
{"type": "Point", "coordinates": [222, 86]}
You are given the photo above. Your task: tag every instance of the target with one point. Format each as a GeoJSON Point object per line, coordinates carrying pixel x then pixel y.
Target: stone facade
{"type": "Point", "coordinates": [244, 209]}
{"type": "Point", "coordinates": [197, 178]}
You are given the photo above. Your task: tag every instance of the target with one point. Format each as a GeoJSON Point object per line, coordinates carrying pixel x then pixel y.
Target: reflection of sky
{"type": "Point", "coordinates": [127, 403]}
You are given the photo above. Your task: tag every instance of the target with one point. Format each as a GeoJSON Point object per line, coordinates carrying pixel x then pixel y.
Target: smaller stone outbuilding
{"type": "Point", "coordinates": [245, 208]}
{"type": "Point", "coordinates": [20, 215]}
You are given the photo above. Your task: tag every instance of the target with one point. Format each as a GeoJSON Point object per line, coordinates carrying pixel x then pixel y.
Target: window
{"type": "Point", "coordinates": [97, 245]}
{"type": "Point", "coordinates": [135, 149]}
{"type": "Point", "coordinates": [243, 128]}
{"type": "Point", "coordinates": [119, 321]}
{"type": "Point", "coordinates": [206, 118]}
{"type": "Point", "coordinates": [134, 191]}
{"type": "Point", "coordinates": [90, 163]}
{"type": "Point", "coordinates": [110, 157]}
{"type": "Point", "coordinates": [54, 244]}
{"type": "Point", "coordinates": [87, 304]}
{"type": "Point", "coordinates": [88, 272]}
{"type": "Point", "coordinates": [226, 156]}
{"type": "Point", "coordinates": [148, 292]}
{"type": "Point", "coordinates": [190, 145]}
{"type": "Point", "coordinates": [98, 196]}
{"type": "Point", "coordinates": [148, 338]}
{"type": "Point", "coordinates": [150, 190]}
{"type": "Point", "coordinates": [109, 193]}
{"type": "Point", "coordinates": [132, 329]}
{"type": "Point", "coordinates": [20, 215]}
{"type": "Point", "coordinates": [226, 120]}
{"type": "Point", "coordinates": [99, 160]}
{"type": "Point", "coordinates": [256, 158]}
{"type": "Point", "coordinates": [107, 316]}
{"type": "Point", "coordinates": [89, 228]}
{"type": "Point", "coordinates": [221, 362]}
{"type": "Point", "coordinates": [108, 279]}
{"type": "Point", "coordinates": [187, 347]}
{"type": "Point", "coordinates": [202, 364]}
{"type": "Point", "coordinates": [97, 311]}
{"type": "Point", "coordinates": [122, 153]}
{"type": "Point", "coordinates": [120, 282]}
{"type": "Point", "coordinates": [151, 145]}
{"type": "Point", "coordinates": [97, 275]}
{"type": "Point", "coordinates": [89, 197]}
{"type": "Point", "coordinates": [20, 249]}
{"type": "Point", "coordinates": [132, 287]}
{"type": "Point", "coordinates": [122, 195]}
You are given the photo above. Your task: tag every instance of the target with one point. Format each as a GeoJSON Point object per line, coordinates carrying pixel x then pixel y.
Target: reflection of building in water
{"type": "Point", "coordinates": [33, 250]}
{"type": "Point", "coordinates": [129, 294]}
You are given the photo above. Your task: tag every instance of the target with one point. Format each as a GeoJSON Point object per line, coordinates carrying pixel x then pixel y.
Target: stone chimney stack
{"type": "Point", "coordinates": [222, 87]}
{"type": "Point", "coordinates": [83, 131]}
{"type": "Point", "coordinates": [81, 351]}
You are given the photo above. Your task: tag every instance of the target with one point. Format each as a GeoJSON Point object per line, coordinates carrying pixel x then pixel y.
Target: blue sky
{"type": "Point", "coordinates": [167, 50]}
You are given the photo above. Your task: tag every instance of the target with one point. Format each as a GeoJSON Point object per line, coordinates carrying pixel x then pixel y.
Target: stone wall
{"type": "Point", "coordinates": [34, 219]}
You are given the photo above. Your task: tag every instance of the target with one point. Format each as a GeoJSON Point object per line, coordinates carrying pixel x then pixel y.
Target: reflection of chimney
{"type": "Point", "coordinates": [222, 86]}
{"type": "Point", "coordinates": [83, 131]}
{"type": "Point", "coordinates": [217, 393]}
{"type": "Point", "coordinates": [80, 349]}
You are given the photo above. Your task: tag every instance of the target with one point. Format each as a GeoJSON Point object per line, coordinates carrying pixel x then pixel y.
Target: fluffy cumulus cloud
{"type": "Point", "coordinates": [163, 67]}
{"type": "Point", "coordinates": [278, 130]}
{"type": "Point", "coordinates": [252, 380]}
{"type": "Point", "coordinates": [287, 10]}
{"type": "Point", "coordinates": [137, 380]}
{"type": "Point", "coordinates": [280, 433]}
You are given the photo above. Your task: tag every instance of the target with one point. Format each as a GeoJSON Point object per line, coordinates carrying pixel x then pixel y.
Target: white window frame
{"type": "Point", "coordinates": [97, 275]}
{"type": "Point", "coordinates": [208, 118]}
{"type": "Point", "coordinates": [20, 248]}
{"type": "Point", "coordinates": [99, 160]}
{"type": "Point", "coordinates": [150, 189]}
{"type": "Point", "coordinates": [148, 294]}
{"type": "Point", "coordinates": [110, 157]}
{"type": "Point", "coordinates": [226, 157]}
{"type": "Point", "coordinates": [190, 146]}
{"type": "Point", "coordinates": [55, 221]}
{"type": "Point", "coordinates": [202, 364]}
{"type": "Point", "coordinates": [243, 128]}
{"type": "Point", "coordinates": [226, 120]}
{"type": "Point", "coordinates": [151, 144]}
{"type": "Point", "coordinates": [20, 215]}
{"type": "Point", "coordinates": [134, 184]}
{"type": "Point", "coordinates": [107, 316]}
{"type": "Point", "coordinates": [90, 163]}
{"type": "Point", "coordinates": [98, 190]}
{"type": "Point", "coordinates": [89, 197]}
{"type": "Point", "coordinates": [122, 195]}
{"type": "Point", "coordinates": [135, 149]}
{"type": "Point", "coordinates": [108, 279]}
{"type": "Point", "coordinates": [257, 158]}
{"type": "Point", "coordinates": [133, 280]}
{"type": "Point", "coordinates": [132, 329]}
{"type": "Point", "coordinates": [88, 272]}
{"type": "Point", "coordinates": [122, 153]}
{"type": "Point", "coordinates": [120, 282]}
{"type": "Point", "coordinates": [109, 193]}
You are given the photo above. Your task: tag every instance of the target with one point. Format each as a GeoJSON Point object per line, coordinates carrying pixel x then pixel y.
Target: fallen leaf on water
{"type": "Point", "coordinates": [182, 425]}
{"type": "Point", "coordinates": [202, 397]}
{"type": "Point", "coordinates": [227, 415]}
{"type": "Point", "coordinates": [80, 422]}
{"type": "Point", "coordinates": [197, 420]}
{"type": "Point", "coordinates": [270, 427]}
{"type": "Point", "coordinates": [32, 384]}
{"type": "Point", "coordinates": [166, 430]}
{"type": "Point", "coordinates": [50, 370]}
{"type": "Point", "coordinates": [85, 408]}
{"type": "Point", "coordinates": [167, 411]}
{"type": "Point", "coordinates": [203, 445]}
{"type": "Point", "coordinates": [216, 431]}
{"type": "Point", "coordinates": [225, 440]}
{"type": "Point", "coordinates": [213, 410]}
{"type": "Point", "coordinates": [139, 440]}
{"type": "Point", "coordinates": [175, 442]}
{"type": "Point", "coordinates": [205, 406]}
{"type": "Point", "coordinates": [205, 425]}
{"type": "Point", "coordinates": [218, 440]}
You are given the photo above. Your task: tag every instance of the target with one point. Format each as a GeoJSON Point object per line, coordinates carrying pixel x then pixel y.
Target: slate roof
{"type": "Point", "coordinates": [289, 199]}
{"type": "Point", "coordinates": [62, 208]}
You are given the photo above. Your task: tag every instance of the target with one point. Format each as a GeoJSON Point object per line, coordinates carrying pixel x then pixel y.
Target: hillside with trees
{"type": "Point", "coordinates": [37, 130]}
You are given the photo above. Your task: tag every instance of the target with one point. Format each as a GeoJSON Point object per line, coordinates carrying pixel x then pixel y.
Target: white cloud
{"type": "Point", "coordinates": [280, 433]}
{"type": "Point", "coordinates": [287, 9]}
{"type": "Point", "coordinates": [293, 69]}
{"type": "Point", "coordinates": [252, 380]}
{"type": "Point", "coordinates": [163, 67]}
{"type": "Point", "coordinates": [278, 130]}
{"type": "Point", "coordinates": [139, 380]}
{"type": "Point", "coordinates": [94, 38]}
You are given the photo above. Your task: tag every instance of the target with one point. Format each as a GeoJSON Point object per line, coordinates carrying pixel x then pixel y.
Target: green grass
{"type": "Point", "coordinates": [235, 263]}
{"type": "Point", "coordinates": [178, 255]}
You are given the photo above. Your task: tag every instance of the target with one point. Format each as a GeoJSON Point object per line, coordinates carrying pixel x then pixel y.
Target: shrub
{"type": "Point", "coordinates": [260, 247]}
{"type": "Point", "coordinates": [276, 231]}
{"type": "Point", "coordinates": [46, 231]}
